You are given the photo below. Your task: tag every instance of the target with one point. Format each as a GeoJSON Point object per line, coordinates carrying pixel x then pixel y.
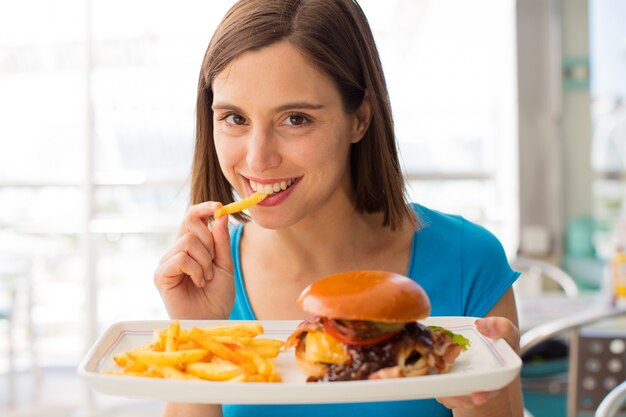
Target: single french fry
{"type": "Point", "coordinates": [274, 378]}
{"type": "Point", "coordinates": [189, 345]}
{"type": "Point", "coordinates": [237, 206]}
{"type": "Point", "coordinates": [234, 340]}
{"type": "Point", "coordinates": [267, 342]}
{"type": "Point", "coordinates": [158, 340]}
{"type": "Point", "coordinates": [221, 350]}
{"type": "Point", "coordinates": [236, 330]}
{"type": "Point", "coordinates": [133, 365]}
{"type": "Point", "coordinates": [168, 358]}
{"type": "Point", "coordinates": [170, 372]}
{"type": "Point", "coordinates": [268, 351]}
{"type": "Point", "coordinates": [147, 373]}
{"type": "Point", "coordinates": [171, 341]}
{"type": "Point", "coordinates": [256, 378]}
{"type": "Point", "coordinates": [267, 348]}
{"type": "Point", "coordinates": [238, 378]}
{"type": "Point", "coordinates": [121, 359]}
{"type": "Point", "coordinates": [183, 336]}
{"type": "Point", "coordinates": [215, 371]}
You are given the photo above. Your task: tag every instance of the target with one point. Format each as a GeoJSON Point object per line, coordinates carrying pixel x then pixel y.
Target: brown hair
{"type": "Point", "coordinates": [336, 36]}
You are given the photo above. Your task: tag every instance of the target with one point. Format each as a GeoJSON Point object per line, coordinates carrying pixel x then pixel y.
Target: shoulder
{"type": "Point", "coordinates": [451, 229]}
{"type": "Point", "coordinates": [461, 264]}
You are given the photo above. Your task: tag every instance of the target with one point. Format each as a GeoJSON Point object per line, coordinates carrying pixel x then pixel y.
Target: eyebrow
{"type": "Point", "coordinates": [282, 107]}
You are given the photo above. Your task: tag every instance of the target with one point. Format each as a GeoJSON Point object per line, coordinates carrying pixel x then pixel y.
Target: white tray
{"type": "Point", "coordinates": [486, 365]}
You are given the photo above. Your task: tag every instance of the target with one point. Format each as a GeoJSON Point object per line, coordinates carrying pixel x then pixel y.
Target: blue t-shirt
{"type": "Point", "coordinates": [461, 266]}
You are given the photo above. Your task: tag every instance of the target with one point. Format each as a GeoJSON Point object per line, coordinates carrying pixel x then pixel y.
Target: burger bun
{"type": "Point", "coordinates": [378, 296]}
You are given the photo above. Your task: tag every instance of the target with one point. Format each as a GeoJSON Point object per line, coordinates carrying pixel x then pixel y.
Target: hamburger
{"type": "Point", "coordinates": [364, 325]}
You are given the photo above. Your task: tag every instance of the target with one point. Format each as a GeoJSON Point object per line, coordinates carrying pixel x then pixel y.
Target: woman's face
{"type": "Point", "coordinates": [280, 128]}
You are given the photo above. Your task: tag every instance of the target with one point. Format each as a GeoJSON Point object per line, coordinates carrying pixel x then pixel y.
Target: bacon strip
{"type": "Point", "coordinates": [444, 352]}
{"type": "Point", "coordinates": [311, 324]}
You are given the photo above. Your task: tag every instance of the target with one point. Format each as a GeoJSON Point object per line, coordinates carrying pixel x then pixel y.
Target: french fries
{"type": "Point", "coordinates": [246, 203]}
{"type": "Point", "coordinates": [229, 352]}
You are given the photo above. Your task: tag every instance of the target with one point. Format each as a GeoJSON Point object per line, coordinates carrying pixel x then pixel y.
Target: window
{"type": "Point", "coordinates": [451, 70]}
{"type": "Point", "coordinates": [96, 151]}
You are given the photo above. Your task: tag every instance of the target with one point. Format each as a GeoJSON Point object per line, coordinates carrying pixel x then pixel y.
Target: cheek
{"type": "Point", "coordinates": [317, 151]}
{"type": "Point", "coordinates": [325, 156]}
{"type": "Point", "coordinates": [337, 147]}
{"type": "Point", "coordinates": [227, 155]}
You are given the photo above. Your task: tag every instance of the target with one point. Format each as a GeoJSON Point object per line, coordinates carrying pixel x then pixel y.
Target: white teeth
{"type": "Point", "coordinates": [271, 188]}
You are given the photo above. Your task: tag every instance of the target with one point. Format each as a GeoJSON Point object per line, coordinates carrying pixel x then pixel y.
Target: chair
{"type": "Point", "coordinates": [534, 270]}
{"type": "Point", "coordinates": [610, 406]}
{"type": "Point", "coordinates": [573, 324]}
{"type": "Point", "coordinates": [538, 299]}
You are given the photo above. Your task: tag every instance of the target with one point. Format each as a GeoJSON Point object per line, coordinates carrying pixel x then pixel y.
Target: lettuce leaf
{"type": "Point", "coordinates": [456, 338]}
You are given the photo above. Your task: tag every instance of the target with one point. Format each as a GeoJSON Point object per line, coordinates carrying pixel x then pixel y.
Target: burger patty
{"type": "Point", "coordinates": [414, 350]}
{"type": "Point", "coordinates": [366, 360]}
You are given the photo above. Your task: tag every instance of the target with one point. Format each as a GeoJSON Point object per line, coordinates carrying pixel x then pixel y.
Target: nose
{"type": "Point", "coordinates": [263, 153]}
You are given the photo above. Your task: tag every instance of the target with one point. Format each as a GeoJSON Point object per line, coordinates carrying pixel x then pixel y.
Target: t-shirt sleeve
{"type": "Point", "coordinates": [486, 273]}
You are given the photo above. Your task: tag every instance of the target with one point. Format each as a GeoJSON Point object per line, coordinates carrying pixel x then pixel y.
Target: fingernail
{"type": "Point", "coordinates": [485, 326]}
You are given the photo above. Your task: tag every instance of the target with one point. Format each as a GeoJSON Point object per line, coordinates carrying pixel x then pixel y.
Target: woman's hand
{"type": "Point", "coordinates": [502, 402]}
{"type": "Point", "coordinates": [195, 277]}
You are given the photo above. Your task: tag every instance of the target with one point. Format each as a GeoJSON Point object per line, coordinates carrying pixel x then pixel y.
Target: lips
{"type": "Point", "coordinates": [278, 190]}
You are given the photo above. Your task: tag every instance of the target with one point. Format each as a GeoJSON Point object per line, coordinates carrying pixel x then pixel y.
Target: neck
{"type": "Point", "coordinates": [320, 246]}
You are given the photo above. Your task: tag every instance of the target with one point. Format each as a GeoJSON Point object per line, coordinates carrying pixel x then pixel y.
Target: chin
{"type": "Point", "coordinates": [271, 222]}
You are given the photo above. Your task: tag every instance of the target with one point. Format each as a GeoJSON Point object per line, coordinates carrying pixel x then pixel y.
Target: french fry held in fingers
{"type": "Point", "coordinates": [254, 199]}
{"type": "Point", "coordinates": [230, 352]}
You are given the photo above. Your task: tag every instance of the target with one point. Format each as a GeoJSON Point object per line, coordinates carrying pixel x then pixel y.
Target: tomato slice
{"type": "Point", "coordinates": [350, 337]}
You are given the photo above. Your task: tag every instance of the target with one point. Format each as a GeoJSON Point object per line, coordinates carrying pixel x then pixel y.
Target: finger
{"type": "Point", "coordinates": [201, 211]}
{"type": "Point", "coordinates": [469, 401]}
{"type": "Point", "coordinates": [499, 327]}
{"type": "Point", "coordinates": [202, 232]}
{"type": "Point", "coordinates": [480, 398]}
{"type": "Point", "coordinates": [173, 271]}
{"type": "Point", "coordinates": [190, 244]}
{"type": "Point", "coordinates": [456, 402]}
{"type": "Point", "coordinates": [221, 236]}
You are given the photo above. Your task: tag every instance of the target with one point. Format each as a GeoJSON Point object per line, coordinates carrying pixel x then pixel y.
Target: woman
{"type": "Point", "coordinates": [292, 100]}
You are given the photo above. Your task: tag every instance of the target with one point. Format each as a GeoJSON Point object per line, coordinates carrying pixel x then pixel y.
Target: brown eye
{"type": "Point", "coordinates": [235, 119]}
{"type": "Point", "coordinates": [296, 120]}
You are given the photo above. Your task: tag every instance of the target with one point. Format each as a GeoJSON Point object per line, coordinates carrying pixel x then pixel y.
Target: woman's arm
{"type": "Point", "coordinates": [500, 322]}
{"type": "Point", "coordinates": [192, 410]}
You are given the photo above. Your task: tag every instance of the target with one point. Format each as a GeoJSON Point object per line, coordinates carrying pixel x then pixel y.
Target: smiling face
{"type": "Point", "coordinates": [280, 127]}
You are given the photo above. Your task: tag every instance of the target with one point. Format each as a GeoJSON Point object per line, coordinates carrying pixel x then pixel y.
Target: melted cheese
{"type": "Point", "coordinates": [322, 347]}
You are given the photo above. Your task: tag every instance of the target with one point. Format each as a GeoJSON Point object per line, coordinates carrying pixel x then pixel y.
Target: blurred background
{"type": "Point", "coordinates": [511, 113]}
